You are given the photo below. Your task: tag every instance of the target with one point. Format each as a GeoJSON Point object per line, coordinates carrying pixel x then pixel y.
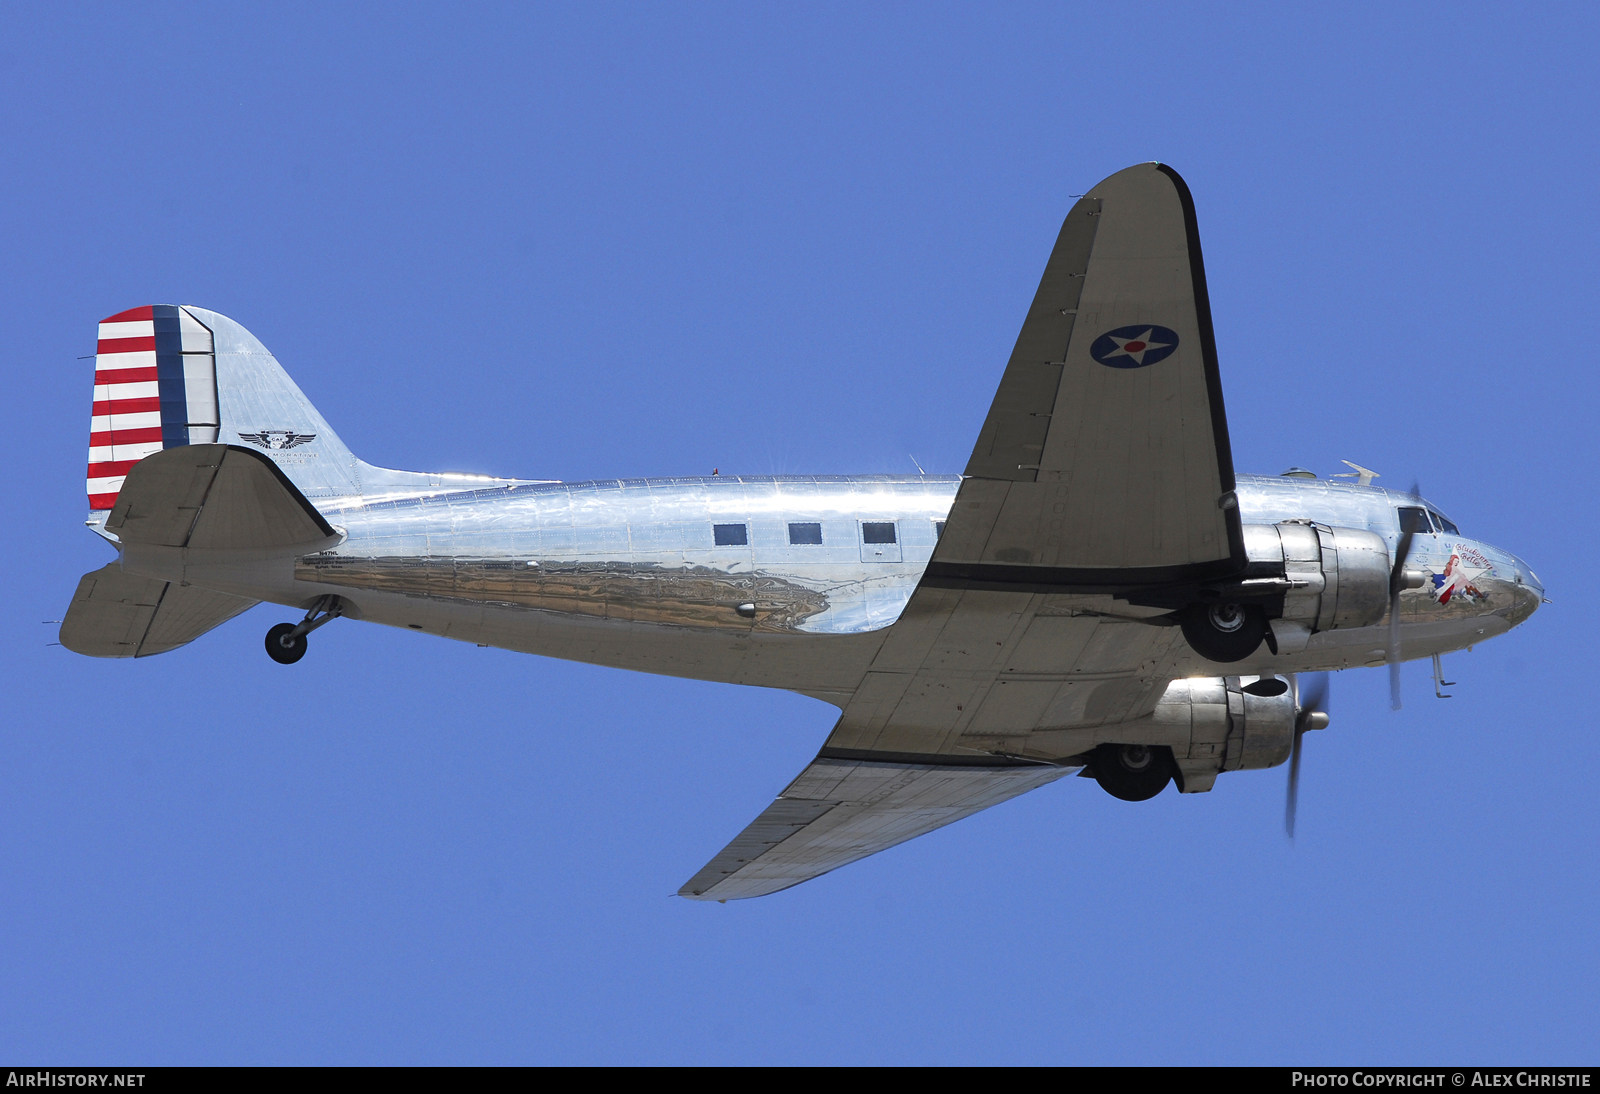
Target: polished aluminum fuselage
{"type": "Point", "coordinates": [629, 573]}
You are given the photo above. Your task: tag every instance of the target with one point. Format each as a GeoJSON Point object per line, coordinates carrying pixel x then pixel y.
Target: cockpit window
{"type": "Point", "coordinates": [1414, 519]}
{"type": "Point", "coordinates": [1446, 523]}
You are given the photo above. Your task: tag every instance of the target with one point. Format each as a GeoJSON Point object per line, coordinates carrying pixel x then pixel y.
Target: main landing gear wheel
{"type": "Point", "coordinates": [1134, 773]}
{"type": "Point", "coordinates": [284, 646]}
{"type": "Point", "coordinates": [1224, 632]}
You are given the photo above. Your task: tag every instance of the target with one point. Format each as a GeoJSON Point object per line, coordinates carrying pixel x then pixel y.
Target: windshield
{"type": "Point", "coordinates": [1414, 518]}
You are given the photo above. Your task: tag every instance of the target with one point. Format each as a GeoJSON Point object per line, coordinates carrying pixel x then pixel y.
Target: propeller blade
{"type": "Point", "coordinates": [1316, 697]}
{"type": "Point", "coordinates": [1394, 650]}
{"type": "Point", "coordinates": [1402, 553]}
{"type": "Point", "coordinates": [1292, 802]}
{"type": "Point", "coordinates": [1310, 713]}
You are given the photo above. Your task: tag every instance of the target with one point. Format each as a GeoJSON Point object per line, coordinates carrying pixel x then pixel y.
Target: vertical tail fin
{"type": "Point", "coordinates": [167, 376]}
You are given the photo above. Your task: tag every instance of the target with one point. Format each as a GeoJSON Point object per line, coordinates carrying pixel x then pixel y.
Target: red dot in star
{"type": "Point", "coordinates": [1132, 347]}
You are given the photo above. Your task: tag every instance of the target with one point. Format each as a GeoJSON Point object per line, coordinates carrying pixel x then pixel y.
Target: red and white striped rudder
{"type": "Point", "coordinates": [155, 387]}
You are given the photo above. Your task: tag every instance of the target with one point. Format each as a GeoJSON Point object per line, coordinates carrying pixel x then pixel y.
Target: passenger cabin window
{"type": "Point", "coordinates": [730, 535]}
{"type": "Point", "coordinates": [938, 529]}
{"type": "Point", "coordinates": [805, 533]}
{"type": "Point", "coordinates": [1414, 519]}
{"type": "Point", "coordinates": [877, 531]}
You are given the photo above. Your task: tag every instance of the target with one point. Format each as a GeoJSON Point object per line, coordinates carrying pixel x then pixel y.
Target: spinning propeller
{"type": "Point", "coordinates": [1400, 579]}
{"type": "Point", "coordinates": [1311, 708]}
{"type": "Point", "coordinates": [1311, 712]}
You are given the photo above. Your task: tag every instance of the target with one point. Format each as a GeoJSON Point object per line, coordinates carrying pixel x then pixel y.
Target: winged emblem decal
{"type": "Point", "coordinates": [277, 439]}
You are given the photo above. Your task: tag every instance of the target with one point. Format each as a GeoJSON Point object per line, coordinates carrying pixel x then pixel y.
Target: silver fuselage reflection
{"type": "Point", "coordinates": [631, 572]}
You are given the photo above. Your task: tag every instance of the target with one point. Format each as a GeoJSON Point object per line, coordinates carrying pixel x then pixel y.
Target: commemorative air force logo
{"type": "Point", "coordinates": [277, 439]}
{"type": "Point", "coordinates": [1134, 347]}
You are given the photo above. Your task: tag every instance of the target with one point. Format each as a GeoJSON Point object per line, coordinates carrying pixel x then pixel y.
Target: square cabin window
{"type": "Point", "coordinates": [938, 529]}
{"type": "Point", "coordinates": [805, 533]}
{"type": "Point", "coordinates": [877, 531]}
{"type": "Point", "coordinates": [730, 535]}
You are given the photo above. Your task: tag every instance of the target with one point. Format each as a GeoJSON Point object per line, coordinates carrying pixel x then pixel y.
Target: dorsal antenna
{"type": "Point", "coordinates": [1362, 475]}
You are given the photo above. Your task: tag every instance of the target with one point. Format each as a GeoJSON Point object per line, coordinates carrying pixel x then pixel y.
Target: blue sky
{"type": "Point", "coordinates": [589, 241]}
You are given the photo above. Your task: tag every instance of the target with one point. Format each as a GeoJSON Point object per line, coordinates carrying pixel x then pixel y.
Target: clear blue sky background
{"type": "Point", "coordinates": [592, 241]}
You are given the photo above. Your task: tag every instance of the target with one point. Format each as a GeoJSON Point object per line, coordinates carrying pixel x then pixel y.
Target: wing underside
{"type": "Point", "coordinates": [1104, 461]}
{"type": "Point", "coordinates": [844, 808]}
{"type": "Point", "coordinates": [1098, 498]}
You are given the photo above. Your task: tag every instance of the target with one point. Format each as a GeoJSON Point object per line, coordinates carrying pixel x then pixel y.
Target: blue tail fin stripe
{"type": "Point", "coordinates": [169, 374]}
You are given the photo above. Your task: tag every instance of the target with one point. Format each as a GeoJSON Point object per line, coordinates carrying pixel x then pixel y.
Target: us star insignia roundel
{"type": "Point", "coordinates": [1134, 347]}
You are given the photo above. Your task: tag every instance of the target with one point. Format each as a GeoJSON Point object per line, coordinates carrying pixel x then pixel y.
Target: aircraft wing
{"type": "Point", "coordinates": [976, 696]}
{"type": "Point", "coordinates": [841, 809]}
{"type": "Point", "coordinates": [1102, 480]}
{"type": "Point", "coordinates": [1104, 461]}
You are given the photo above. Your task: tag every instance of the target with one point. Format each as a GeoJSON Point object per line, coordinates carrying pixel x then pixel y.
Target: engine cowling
{"type": "Point", "coordinates": [1226, 728]}
{"type": "Point", "coordinates": [1331, 578]}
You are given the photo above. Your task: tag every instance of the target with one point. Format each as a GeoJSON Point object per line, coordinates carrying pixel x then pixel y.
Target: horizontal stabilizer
{"type": "Point", "coordinates": [216, 497]}
{"type": "Point", "coordinates": [842, 809]}
{"type": "Point", "coordinates": [116, 614]}
{"type": "Point", "coordinates": [179, 505]}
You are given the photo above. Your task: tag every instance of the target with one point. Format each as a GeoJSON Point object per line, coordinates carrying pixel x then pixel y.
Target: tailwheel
{"type": "Point", "coordinates": [1134, 773]}
{"type": "Point", "coordinates": [286, 643]}
{"type": "Point", "coordinates": [1224, 632]}
{"type": "Point", "coordinates": [285, 646]}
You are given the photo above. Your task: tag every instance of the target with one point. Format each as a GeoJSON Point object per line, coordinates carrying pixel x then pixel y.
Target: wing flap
{"type": "Point", "coordinates": [842, 808]}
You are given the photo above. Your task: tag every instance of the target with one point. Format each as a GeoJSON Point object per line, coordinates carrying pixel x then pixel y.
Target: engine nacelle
{"type": "Point", "coordinates": [1331, 577]}
{"type": "Point", "coordinates": [1226, 728]}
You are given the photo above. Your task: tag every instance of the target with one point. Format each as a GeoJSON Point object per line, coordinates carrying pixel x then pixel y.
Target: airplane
{"type": "Point", "coordinates": [1098, 594]}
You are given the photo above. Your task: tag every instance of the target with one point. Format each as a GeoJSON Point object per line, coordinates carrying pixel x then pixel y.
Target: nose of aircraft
{"type": "Point", "coordinates": [1527, 590]}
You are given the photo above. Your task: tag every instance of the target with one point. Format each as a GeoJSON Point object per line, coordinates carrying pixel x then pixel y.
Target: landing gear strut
{"type": "Point", "coordinates": [286, 643]}
{"type": "Point", "coordinates": [1224, 632]}
{"type": "Point", "coordinates": [1134, 773]}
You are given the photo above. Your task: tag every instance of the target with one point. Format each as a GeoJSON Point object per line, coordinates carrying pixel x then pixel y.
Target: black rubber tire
{"type": "Point", "coordinates": [1134, 773]}
{"type": "Point", "coordinates": [1226, 632]}
{"type": "Point", "coordinates": [285, 655]}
